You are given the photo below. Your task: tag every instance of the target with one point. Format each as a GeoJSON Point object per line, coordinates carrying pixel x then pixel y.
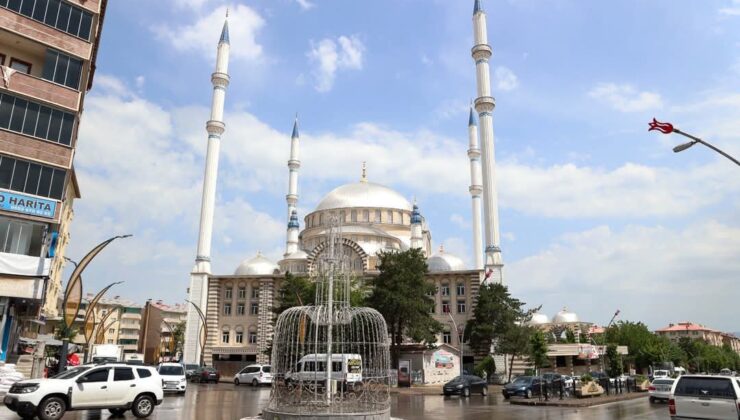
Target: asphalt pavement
{"type": "Point", "coordinates": [225, 401]}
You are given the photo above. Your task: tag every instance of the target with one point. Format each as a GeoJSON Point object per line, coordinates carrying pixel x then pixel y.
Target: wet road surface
{"type": "Point", "coordinates": [226, 402]}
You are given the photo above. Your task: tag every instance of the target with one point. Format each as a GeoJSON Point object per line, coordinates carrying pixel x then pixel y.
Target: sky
{"type": "Point", "coordinates": [597, 214]}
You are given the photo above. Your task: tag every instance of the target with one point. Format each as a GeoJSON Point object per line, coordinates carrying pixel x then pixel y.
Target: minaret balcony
{"type": "Point", "coordinates": [485, 104]}
{"type": "Point", "coordinates": [482, 52]}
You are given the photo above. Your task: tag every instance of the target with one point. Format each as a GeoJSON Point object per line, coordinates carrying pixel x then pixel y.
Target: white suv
{"type": "Point", "coordinates": [173, 377]}
{"type": "Point", "coordinates": [114, 386]}
{"type": "Point", "coordinates": [255, 375]}
{"type": "Point", "coordinates": [705, 397]}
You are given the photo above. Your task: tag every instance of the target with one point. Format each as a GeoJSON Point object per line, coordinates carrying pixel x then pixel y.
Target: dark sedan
{"type": "Point", "coordinates": [206, 374]}
{"type": "Point", "coordinates": [464, 385]}
{"type": "Point", "coordinates": [525, 386]}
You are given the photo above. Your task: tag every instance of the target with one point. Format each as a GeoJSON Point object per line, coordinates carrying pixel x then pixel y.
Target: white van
{"type": "Point", "coordinates": [346, 368]}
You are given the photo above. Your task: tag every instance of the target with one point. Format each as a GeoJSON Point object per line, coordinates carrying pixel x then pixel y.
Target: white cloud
{"type": "Point", "coordinates": [329, 56]}
{"type": "Point", "coordinates": [460, 221]}
{"type": "Point", "coordinates": [305, 4]}
{"type": "Point", "coordinates": [652, 273]}
{"type": "Point", "coordinates": [454, 108]}
{"type": "Point", "coordinates": [203, 34]}
{"type": "Point", "coordinates": [505, 79]}
{"type": "Point", "coordinates": [626, 98]}
{"type": "Point", "coordinates": [733, 10]}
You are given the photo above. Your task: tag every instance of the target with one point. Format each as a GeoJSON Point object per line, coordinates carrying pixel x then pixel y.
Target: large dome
{"type": "Point", "coordinates": [564, 317]}
{"type": "Point", "coordinates": [444, 262]}
{"type": "Point", "coordinates": [363, 194]}
{"type": "Point", "coordinates": [539, 319]}
{"type": "Point", "coordinates": [257, 266]}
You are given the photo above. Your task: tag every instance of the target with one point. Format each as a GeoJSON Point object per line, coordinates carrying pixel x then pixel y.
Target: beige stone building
{"type": "Point", "coordinates": [675, 332]}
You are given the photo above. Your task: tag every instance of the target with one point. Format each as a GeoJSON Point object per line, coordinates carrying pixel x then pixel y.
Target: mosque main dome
{"type": "Point", "coordinates": [364, 194]}
{"type": "Point", "coordinates": [258, 265]}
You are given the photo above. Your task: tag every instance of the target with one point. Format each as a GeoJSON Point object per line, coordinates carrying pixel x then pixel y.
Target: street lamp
{"type": "Point", "coordinates": [668, 128]}
{"type": "Point", "coordinates": [460, 341]}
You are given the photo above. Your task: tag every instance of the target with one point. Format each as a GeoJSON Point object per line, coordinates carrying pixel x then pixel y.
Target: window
{"type": "Point", "coordinates": [100, 375]}
{"type": "Point", "coordinates": [461, 289]}
{"type": "Point", "coordinates": [20, 65]}
{"type": "Point", "coordinates": [432, 308]}
{"type": "Point", "coordinates": [255, 292]}
{"type": "Point", "coordinates": [377, 216]}
{"type": "Point", "coordinates": [144, 373]}
{"type": "Point", "coordinates": [239, 337]}
{"type": "Point", "coordinates": [23, 238]}
{"type": "Point", "coordinates": [321, 219]}
{"type": "Point", "coordinates": [225, 337]}
{"type": "Point", "coordinates": [240, 309]}
{"type": "Point", "coordinates": [446, 337]}
{"type": "Point", "coordinates": [65, 17]}
{"type": "Point", "coordinates": [110, 341]}
{"type": "Point", "coordinates": [252, 338]}
{"type": "Point", "coordinates": [342, 216]}
{"type": "Point", "coordinates": [111, 330]}
{"type": "Point", "coordinates": [228, 292]}
{"type": "Point", "coordinates": [123, 374]}
{"type": "Point", "coordinates": [354, 215]}
{"type": "Point", "coordinates": [366, 215]}
{"type": "Point", "coordinates": [33, 119]}
{"type": "Point", "coordinates": [227, 309]}
{"type": "Point", "coordinates": [461, 306]}
{"type": "Point", "coordinates": [2, 59]}
{"type": "Point", "coordinates": [390, 217]}
{"type": "Point", "coordinates": [242, 293]}
{"type": "Point", "coordinates": [445, 307]}
{"type": "Point", "coordinates": [445, 290]}
{"type": "Point", "coordinates": [254, 309]}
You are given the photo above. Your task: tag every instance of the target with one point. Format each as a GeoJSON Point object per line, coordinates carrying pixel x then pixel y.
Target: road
{"type": "Point", "coordinates": [226, 402]}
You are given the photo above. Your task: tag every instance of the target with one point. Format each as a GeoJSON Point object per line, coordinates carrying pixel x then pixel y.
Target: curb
{"type": "Point", "coordinates": [579, 403]}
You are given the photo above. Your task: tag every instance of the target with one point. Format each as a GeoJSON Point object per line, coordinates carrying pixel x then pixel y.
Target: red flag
{"type": "Point", "coordinates": [665, 128]}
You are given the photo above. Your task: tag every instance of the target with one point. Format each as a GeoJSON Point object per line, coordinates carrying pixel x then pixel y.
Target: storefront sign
{"type": "Point", "coordinates": [443, 359]}
{"type": "Point", "coordinates": [20, 203]}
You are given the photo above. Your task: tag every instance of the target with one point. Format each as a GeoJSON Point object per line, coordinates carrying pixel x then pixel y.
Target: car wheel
{"type": "Point", "coordinates": [507, 396]}
{"type": "Point", "coordinates": [236, 381]}
{"type": "Point", "coordinates": [143, 406]}
{"type": "Point", "coordinates": [529, 393]}
{"type": "Point", "coordinates": [447, 394]}
{"type": "Point", "coordinates": [484, 390]}
{"type": "Point", "coordinates": [466, 392]}
{"type": "Point", "coordinates": [255, 383]}
{"type": "Point", "coordinates": [652, 399]}
{"type": "Point", "coordinates": [52, 408]}
{"type": "Point", "coordinates": [117, 412]}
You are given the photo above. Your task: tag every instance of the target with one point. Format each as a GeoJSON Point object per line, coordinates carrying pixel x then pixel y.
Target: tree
{"type": "Point", "coordinates": [645, 348]}
{"type": "Point", "coordinates": [515, 342]}
{"type": "Point", "coordinates": [615, 361]}
{"type": "Point", "coordinates": [495, 313]}
{"type": "Point", "coordinates": [402, 295]}
{"type": "Point", "coordinates": [485, 368]}
{"type": "Point", "coordinates": [294, 291]}
{"type": "Point", "coordinates": [570, 336]}
{"type": "Point", "coordinates": [178, 335]}
{"type": "Point", "coordinates": [537, 350]}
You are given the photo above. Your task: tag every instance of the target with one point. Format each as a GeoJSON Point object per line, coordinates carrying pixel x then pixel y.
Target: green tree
{"type": "Point", "coordinates": [178, 335]}
{"type": "Point", "coordinates": [495, 313]}
{"type": "Point", "coordinates": [515, 342]}
{"type": "Point", "coordinates": [570, 336]}
{"type": "Point", "coordinates": [537, 350]}
{"type": "Point", "coordinates": [615, 360]}
{"type": "Point", "coordinates": [403, 296]}
{"type": "Point", "coordinates": [294, 291]}
{"type": "Point", "coordinates": [485, 368]}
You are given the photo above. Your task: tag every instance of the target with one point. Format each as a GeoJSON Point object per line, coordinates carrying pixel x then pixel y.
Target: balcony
{"type": "Point", "coordinates": [24, 265]}
{"type": "Point", "coordinates": [39, 32]}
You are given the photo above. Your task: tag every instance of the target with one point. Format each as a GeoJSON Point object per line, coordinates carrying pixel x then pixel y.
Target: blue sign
{"type": "Point", "coordinates": [20, 203]}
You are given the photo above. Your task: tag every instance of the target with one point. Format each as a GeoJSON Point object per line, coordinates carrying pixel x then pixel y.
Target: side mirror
{"type": "Point", "coordinates": [81, 380]}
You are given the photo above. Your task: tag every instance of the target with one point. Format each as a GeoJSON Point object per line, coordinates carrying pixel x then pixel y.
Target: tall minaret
{"type": "Point", "coordinates": [484, 104]}
{"type": "Point", "coordinates": [291, 244]}
{"type": "Point", "coordinates": [198, 291]}
{"type": "Point", "coordinates": [293, 165]}
{"type": "Point", "coordinates": [476, 189]}
{"type": "Point", "coordinates": [417, 241]}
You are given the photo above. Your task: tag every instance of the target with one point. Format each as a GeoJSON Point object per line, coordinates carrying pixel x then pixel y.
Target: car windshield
{"type": "Point", "coordinates": [209, 370]}
{"type": "Point", "coordinates": [191, 367]}
{"type": "Point", "coordinates": [266, 369]}
{"type": "Point", "coordinates": [663, 382]}
{"type": "Point", "coordinates": [171, 370]}
{"type": "Point", "coordinates": [522, 380]}
{"type": "Point", "coordinates": [458, 379]}
{"type": "Point", "coordinates": [71, 373]}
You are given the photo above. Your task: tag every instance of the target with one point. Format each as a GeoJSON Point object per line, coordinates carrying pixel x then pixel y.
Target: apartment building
{"type": "Point", "coordinates": [675, 332]}
{"type": "Point", "coordinates": [47, 62]}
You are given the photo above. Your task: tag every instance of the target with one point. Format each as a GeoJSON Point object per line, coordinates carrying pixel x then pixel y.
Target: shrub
{"type": "Point", "coordinates": [586, 378]}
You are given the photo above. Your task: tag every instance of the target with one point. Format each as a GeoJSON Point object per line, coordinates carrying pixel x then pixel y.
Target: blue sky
{"type": "Point", "coordinates": [596, 213]}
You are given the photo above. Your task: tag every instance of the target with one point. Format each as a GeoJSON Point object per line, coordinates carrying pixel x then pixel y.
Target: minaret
{"type": "Point", "coordinates": [416, 238]}
{"type": "Point", "coordinates": [198, 291]}
{"type": "Point", "coordinates": [293, 165]}
{"type": "Point", "coordinates": [476, 189]}
{"type": "Point", "coordinates": [291, 245]}
{"type": "Point", "coordinates": [484, 104]}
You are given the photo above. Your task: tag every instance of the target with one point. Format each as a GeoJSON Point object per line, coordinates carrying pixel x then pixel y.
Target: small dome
{"type": "Point", "coordinates": [363, 194]}
{"type": "Point", "coordinates": [258, 265]}
{"type": "Point", "coordinates": [564, 316]}
{"type": "Point", "coordinates": [444, 262]}
{"type": "Point", "coordinates": [539, 319]}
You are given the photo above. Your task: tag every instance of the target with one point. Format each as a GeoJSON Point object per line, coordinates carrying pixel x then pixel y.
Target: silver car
{"type": "Point", "coordinates": [660, 389]}
{"type": "Point", "coordinates": [255, 375]}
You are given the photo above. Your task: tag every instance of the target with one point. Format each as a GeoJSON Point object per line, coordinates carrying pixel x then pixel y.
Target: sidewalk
{"type": "Point", "coordinates": [578, 402]}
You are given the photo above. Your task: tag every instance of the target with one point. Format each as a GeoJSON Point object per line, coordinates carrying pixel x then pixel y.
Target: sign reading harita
{"type": "Point", "coordinates": [26, 204]}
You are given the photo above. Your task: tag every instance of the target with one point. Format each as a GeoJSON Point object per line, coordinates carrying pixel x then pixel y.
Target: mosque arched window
{"type": "Point", "coordinates": [377, 216]}
{"type": "Point", "coordinates": [343, 216]}
{"type": "Point", "coordinates": [321, 219]}
{"type": "Point", "coordinates": [354, 216]}
{"type": "Point", "coordinates": [366, 215]}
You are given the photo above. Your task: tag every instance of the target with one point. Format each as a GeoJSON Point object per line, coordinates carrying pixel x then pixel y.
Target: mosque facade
{"type": "Point", "coordinates": [374, 218]}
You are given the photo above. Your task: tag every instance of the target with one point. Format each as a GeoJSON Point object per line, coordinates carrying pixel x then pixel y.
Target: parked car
{"type": "Point", "coordinates": [525, 386]}
{"type": "Point", "coordinates": [255, 375]}
{"type": "Point", "coordinates": [660, 389]}
{"type": "Point", "coordinates": [661, 373]}
{"type": "Point", "coordinates": [173, 377]}
{"type": "Point", "coordinates": [464, 385]}
{"type": "Point", "coordinates": [206, 374]}
{"type": "Point", "coordinates": [114, 386]}
{"type": "Point", "coordinates": [706, 397]}
{"type": "Point", "coordinates": [600, 376]}
{"type": "Point", "coordinates": [190, 370]}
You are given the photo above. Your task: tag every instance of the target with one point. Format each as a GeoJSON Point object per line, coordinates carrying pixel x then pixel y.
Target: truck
{"type": "Point", "coordinates": [134, 358]}
{"type": "Point", "coordinates": [101, 353]}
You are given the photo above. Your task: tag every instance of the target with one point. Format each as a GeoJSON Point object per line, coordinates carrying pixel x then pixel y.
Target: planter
{"type": "Point", "coordinates": [589, 389]}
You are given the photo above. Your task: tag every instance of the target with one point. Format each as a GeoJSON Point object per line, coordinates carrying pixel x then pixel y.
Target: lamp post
{"type": "Point", "coordinates": [668, 128]}
{"type": "Point", "coordinates": [454, 325]}
{"type": "Point", "coordinates": [204, 329]}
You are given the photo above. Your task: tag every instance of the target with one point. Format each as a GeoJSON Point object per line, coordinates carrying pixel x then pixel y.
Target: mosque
{"type": "Point", "coordinates": [237, 307]}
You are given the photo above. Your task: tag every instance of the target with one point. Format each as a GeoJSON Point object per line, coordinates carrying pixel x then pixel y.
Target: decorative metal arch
{"type": "Point", "coordinates": [316, 252]}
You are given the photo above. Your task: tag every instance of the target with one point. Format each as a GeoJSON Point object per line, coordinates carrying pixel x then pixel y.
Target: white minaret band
{"type": "Point", "coordinates": [484, 104]}
{"type": "Point", "coordinates": [198, 291]}
{"type": "Point", "coordinates": [476, 189]}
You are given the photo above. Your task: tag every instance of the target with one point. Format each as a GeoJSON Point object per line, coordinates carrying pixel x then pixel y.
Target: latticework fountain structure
{"type": "Point", "coordinates": [330, 360]}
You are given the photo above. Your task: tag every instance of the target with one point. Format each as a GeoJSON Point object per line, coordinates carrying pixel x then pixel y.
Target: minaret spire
{"type": "Point", "coordinates": [199, 277]}
{"type": "Point", "coordinates": [485, 104]}
{"type": "Point", "coordinates": [476, 188]}
{"type": "Point", "coordinates": [294, 164]}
